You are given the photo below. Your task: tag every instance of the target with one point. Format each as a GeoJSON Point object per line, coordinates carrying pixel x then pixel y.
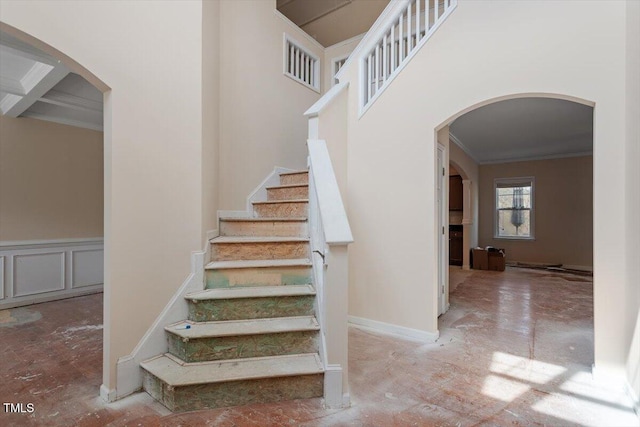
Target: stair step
{"type": "Point", "coordinates": [296, 177]}
{"type": "Point", "coordinates": [242, 327]}
{"type": "Point", "coordinates": [288, 192]}
{"type": "Point", "coordinates": [228, 248]}
{"type": "Point", "coordinates": [192, 386]}
{"type": "Point", "coordinates": [251, 292]}
{"type": "Point", "coordinates": [251, 303]}
{"type": "Point", "coordinates": [281, 208]}
{"type": "Point", "coordinates": [258, 263]}
{"type": "Point", "coordinates": [206, 341]}
{"type": "Point", "coordinates": [282, 227]}
{"type": "Point", "coordinates": [233, 274]}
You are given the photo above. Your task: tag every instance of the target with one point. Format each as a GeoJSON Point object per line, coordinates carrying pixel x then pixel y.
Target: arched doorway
{"type": "Point", "coordinates": [549, 229]}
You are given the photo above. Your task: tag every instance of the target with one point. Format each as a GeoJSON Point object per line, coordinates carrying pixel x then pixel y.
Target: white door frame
{"type": "Point", "coordinates": [442, 201]}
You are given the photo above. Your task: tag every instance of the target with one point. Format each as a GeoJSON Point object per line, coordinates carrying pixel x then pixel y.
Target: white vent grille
{"type": "Point", "coordinates": [300, 64]}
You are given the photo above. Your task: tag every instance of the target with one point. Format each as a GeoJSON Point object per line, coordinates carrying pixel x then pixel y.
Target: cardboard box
{"type": "Point", "coordinates": [480, 259]}
{"type": "Point", "coordinates": [496, 260]}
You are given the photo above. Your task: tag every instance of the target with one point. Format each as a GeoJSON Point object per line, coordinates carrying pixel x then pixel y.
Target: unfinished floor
{"type": "Point", "coordinates": [516, 349]}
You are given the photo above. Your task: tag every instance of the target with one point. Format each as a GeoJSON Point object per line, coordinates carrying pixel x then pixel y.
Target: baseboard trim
{"type": "Point", "coordinates": [106, 394]}
{"type": "Point", "coordinates": [394, 330]}
{"type": "Point", "coordinates": [635, 399]}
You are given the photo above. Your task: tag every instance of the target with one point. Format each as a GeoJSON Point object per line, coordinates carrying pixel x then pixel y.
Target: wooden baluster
{"type": "Point", "coordinates": [369, 77]}
{"type": "Point", "coordinates": [417, 21]}
{"type": "Point", "coordinates": [384, 59]}
{"type": "Point", "coordinates": [393, 47]}
{"type": "Point", "coordinates": [409, 40]}
{"type": "Point", "coordinates": [377, 67]}
{"type": "Point", "coordinates": [400, 41]}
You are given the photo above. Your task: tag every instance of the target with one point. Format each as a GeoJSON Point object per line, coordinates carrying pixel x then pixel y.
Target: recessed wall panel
{"type": "Point", "coordinates": [87, 268]}
{"type": "Point", "coordinates": [38, 273]}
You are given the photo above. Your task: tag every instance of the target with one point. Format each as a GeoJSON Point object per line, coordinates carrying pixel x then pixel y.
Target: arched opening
{"type": "Point", "coordinates": [527, 161]}
{"type": "Point", "coordinates": [52, 167]}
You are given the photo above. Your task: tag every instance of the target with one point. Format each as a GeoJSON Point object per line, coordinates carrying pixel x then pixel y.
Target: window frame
{"type": "Point", "coordinates": [513, 182]}
{"type": "Point", "coordinates": [317, 66]}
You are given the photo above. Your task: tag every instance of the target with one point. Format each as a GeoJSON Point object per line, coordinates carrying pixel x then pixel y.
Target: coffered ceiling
{"type": "Point", "coordinates": [34, 84]}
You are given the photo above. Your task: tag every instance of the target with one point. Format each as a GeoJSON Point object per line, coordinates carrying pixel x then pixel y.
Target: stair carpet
{"type": "Point", "coordinates": [251, 335]}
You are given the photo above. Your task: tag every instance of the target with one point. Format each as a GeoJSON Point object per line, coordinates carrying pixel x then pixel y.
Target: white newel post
{"type": "Point", "coordinates": [336, 323]}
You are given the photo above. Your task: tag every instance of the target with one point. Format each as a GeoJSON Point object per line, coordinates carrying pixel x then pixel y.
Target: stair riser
{"type": "Point", "coordinates": [238, 277]}
{"type": "Point", "coordinates": [264, 228]}
{"type": "Point", "coordinates": [282, 210]}
{"type": "Point", "coordinates": [298, 178]}
{"type": "Point", "coordinates": [251, 308]}
{"type": "Point", "coordinates": [254, 251]}
{"type": "Point", "coordinates": [288, 193]}
{"type": "Point", "coordinates": [218, 395]}
{"type": "Point", "coordinates": [242, 346]}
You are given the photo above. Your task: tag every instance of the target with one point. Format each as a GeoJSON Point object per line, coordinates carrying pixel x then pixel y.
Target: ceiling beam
{"type": "Point", "coordinates": [37, 82]}
{"type": "Point", "coordinates": [71, 101]}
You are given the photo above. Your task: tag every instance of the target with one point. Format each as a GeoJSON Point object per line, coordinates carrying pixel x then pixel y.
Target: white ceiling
{"type": "Point", "coordinates": [34, 84]}
{"type": "Point", "coordinates": [525, 129]}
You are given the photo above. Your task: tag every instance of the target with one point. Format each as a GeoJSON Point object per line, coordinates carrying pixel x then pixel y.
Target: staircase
{"type": "Point", "coordinates": [251, 335]}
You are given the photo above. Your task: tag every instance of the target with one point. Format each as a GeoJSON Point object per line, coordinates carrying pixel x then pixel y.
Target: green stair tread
{"type": "Point", "coordinates": [252, 292]}
{"type": "Point", "coordinates": [258, 263]}
{"type": "Point", "coordinates": [243, 327]}
{"type": "Point", "coordinates": [176, 373]}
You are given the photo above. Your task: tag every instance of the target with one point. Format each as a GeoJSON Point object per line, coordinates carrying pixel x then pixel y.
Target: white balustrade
{"type": "Point", "coordinates": [397, 40]}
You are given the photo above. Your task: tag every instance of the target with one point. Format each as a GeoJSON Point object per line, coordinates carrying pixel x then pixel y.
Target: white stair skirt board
{"type": "Point", "coordinates": [35, 271]}
{"type": "Point", "coordinates": [395, 330]}
{"type": "Point", "coordinates": [259, 194]}
{"type": "Point", "coordinates": [154, 341]}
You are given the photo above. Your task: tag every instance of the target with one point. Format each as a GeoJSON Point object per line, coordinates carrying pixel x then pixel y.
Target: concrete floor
{"type": "Point", "coordinates": [515, 350]}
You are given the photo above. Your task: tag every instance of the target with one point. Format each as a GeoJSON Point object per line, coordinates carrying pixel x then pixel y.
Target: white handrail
{"type": "Point", "coordinates": [333, 215]}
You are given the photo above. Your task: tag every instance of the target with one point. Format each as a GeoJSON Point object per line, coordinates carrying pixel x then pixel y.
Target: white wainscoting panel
{"type": "Point", "coordinates": [38, 271]}
{"type": "Point", "coordinates": [87, 268]}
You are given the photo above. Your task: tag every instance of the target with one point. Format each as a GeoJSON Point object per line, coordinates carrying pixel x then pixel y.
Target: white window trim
{"type": "Point", "coordinates": [287, 39]}
{"type": "Point", "coordinates": [532, 215]}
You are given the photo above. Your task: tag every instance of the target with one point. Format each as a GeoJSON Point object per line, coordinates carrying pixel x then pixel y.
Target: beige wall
{"type": "Point", "coordinates": [210, 113]}
{"type": "Point", "coordinates": [632, 309]}
{"type": "Point", "coordinates": [563, 210]}
{"type": "Point", "coordinates": [346, 22]}
{"type": "Point", "coordinates": [51, 181]}
{"type": "Point", "coordinates": [149, 54]}
{"type": "Point", "coordinates": [261, 110]}
{"type": "Point", "coordinates": [336, 51]}
{"type": "Point", "coordinates": [485, 51]}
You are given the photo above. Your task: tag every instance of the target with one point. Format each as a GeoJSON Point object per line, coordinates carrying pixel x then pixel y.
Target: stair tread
{"type": "Point", "coordinates": [274, 187]}
{"type": "Point", "coordinates": [274, 219]}
{"type": "Point", "coordinates": [177, 373]}
{"type": "Point", "coordinates": [293, 172]}
{"type": "Point", "coordinates": [259, 263]}
{"type": "Point", "coordinates": [258, 239]}
{"type": "Point", "coordinates": [271, 202]}
{"type": "Point", "coordinates": [243, 327]}
{"type": "Point", "coordinates": [252, 292]}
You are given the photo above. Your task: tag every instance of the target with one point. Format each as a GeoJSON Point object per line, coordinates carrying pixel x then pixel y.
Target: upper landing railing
{"type": "Point", "coordinates": [402, 28]}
